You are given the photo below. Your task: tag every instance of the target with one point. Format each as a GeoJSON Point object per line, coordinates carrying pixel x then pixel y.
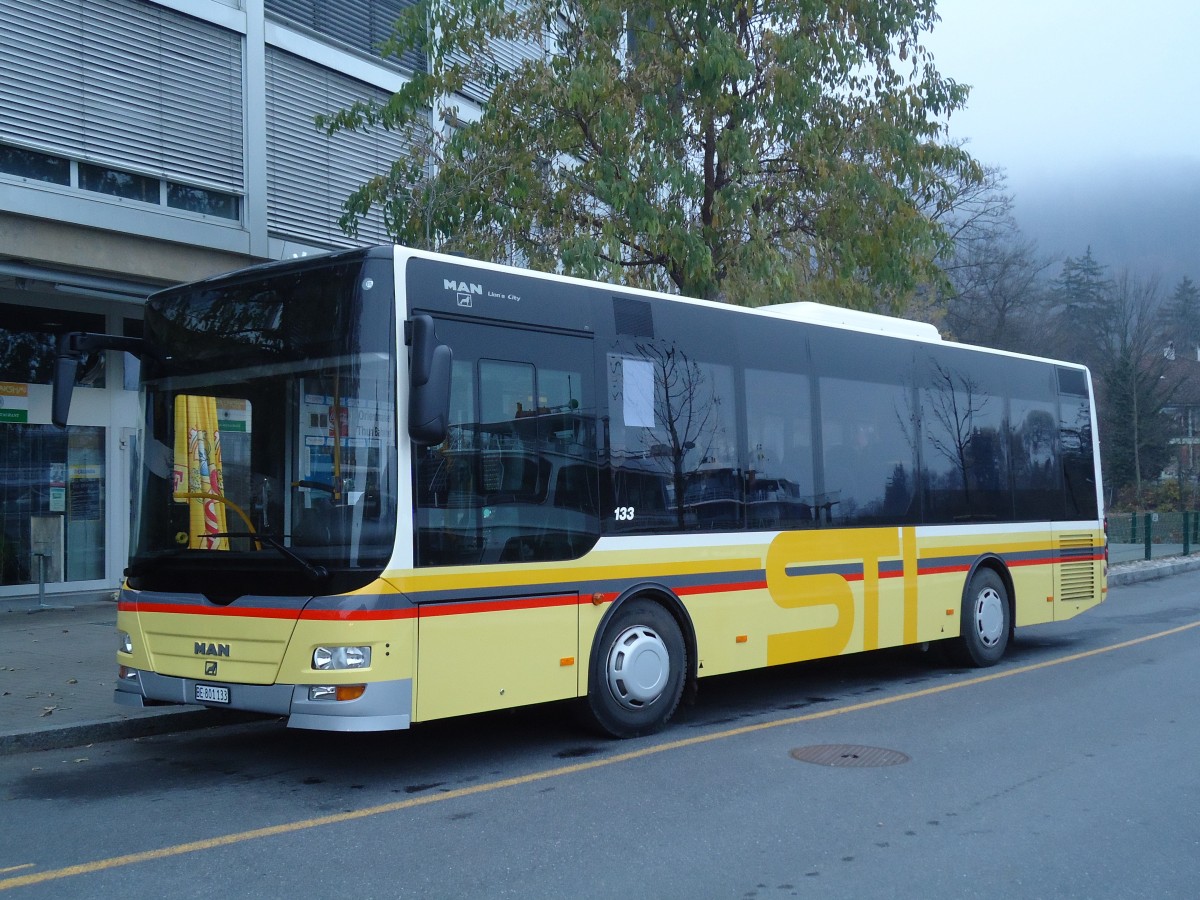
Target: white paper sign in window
{"type": "Point", "coordinates": [638, 391]}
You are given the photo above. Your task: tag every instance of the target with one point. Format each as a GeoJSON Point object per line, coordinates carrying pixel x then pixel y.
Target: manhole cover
{"type": "Point", "coordinates": [848, 755]}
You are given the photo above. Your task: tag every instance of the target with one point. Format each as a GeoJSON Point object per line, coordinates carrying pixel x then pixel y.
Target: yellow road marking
{"type": "Point", "coordinates": [16, 868]}
{"type": "Point", "coordinates": [226, 840]}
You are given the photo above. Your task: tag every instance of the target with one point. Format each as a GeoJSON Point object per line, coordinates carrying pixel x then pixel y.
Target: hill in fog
{"type": "Point", "coordinates": [1142, 216]}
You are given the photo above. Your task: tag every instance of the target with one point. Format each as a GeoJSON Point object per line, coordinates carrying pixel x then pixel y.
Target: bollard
{"type": "Point", "coordinates": [41, 558]}
{"type": "Point", "coordinates": [42, 604]}
{"type": "Point", "coordinates": [1148, 535]}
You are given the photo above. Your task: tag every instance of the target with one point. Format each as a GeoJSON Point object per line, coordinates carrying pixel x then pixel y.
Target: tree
{"type": "Point", "coordinates": [994, 275]}
{"type": "Point", "coordinates": [998, 299]}
{"type": "Point", "coordinates": [1181, 317]}
{"type": "Point", "coordinates": [726, 149]}
{"type": "Point", "coordinates": [973, 211]}
{"type": "Point", "coordinates": [1086, 316]}
{"type": "Point", "coordinates": [1135, 385]}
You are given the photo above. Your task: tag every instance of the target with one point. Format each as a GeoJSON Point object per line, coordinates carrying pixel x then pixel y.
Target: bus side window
{"type": "Point", "coordinates": [517, 478]}
{"type": "Point", "coordinates": [779, 469]}
{"type": "Point", "coordinates": [673, 433]}
{"type": "Point", "coordinates": [869, 449]}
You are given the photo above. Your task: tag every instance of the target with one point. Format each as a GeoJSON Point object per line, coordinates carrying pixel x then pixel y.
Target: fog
{"type": "Point", "coordinates": [1090, 108]}
{"type": "Point", "coordinates": [1144, 217]}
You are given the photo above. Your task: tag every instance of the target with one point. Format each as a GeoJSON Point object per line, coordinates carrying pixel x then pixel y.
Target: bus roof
{"type": "Point", "coordinates": [821, 314]}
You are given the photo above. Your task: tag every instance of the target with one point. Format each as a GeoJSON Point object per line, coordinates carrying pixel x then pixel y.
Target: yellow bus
{"type": "Point", "coordinates": [385, 486]}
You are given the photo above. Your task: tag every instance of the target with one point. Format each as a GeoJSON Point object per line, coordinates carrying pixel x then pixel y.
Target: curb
{"type": "Point", "coordinates": [101, 731]}
{"type": "Point", "coordinates": [1131, 573]}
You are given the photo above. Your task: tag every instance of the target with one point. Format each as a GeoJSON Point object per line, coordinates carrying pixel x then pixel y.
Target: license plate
{"type": "Point", "coordinates": [210, 693]}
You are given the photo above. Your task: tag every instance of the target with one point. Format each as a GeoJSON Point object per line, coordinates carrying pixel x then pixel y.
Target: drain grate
{"type": "Point", "coordinates": [848, 756]}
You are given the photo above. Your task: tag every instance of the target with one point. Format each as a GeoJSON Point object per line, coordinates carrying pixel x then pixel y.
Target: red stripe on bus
{"type": "Point", "coordinates": [941, 570]}
{"type": "Point", "coordinates": [1044, 561]}
{"type": "Point", "coordinates": [722, 588]}
{"type": "Point", "coordinates": [260, 612]}
{"type": "Point", "coordinates": [357, 615]}
{"type": "Point", "coordinates": [255, 612]}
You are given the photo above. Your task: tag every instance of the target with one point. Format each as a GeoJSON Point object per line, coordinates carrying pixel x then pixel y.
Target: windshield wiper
{"type": "Point", "coordinates": [314, 571]}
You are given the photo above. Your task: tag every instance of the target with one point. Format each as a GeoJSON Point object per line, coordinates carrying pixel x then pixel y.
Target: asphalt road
{"type": "Point", "coordinates": [1072, 769]}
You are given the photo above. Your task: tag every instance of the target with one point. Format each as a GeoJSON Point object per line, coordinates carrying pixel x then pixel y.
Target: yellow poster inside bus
{"type": "Point", "coordinates": [197, 477]}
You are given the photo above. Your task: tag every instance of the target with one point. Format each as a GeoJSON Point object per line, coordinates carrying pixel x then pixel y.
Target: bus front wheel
{"type": "Point", "coordinates": [986, 620]}
{"type": "Point", "coordinates": [639, 666]}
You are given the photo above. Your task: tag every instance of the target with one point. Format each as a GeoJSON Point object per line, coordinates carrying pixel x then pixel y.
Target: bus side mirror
{"type": "Point", "coordinates": [72, 347]}
{"type": "Point", "coordinates": [428, 383]}
{"type": "Point", "coordinates": [66, 370]}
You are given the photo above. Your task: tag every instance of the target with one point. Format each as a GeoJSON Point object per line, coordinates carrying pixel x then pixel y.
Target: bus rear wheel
{"type": "Point", "coordinates": [639, 666]}
{"type": "Point", "coordinates": [986, 620]}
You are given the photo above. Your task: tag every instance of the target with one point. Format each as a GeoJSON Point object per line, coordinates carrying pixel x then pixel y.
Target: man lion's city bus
{"type": "Point", "coordinates": [385, 486]}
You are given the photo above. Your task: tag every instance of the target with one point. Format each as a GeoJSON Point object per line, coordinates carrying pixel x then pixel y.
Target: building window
{"type": "Point", "coordinates": [37, 166]}
{"type": "Point", "coordinates": [119, 184]}
{"type": "Point", "coordinates": [51, 503]}
{"type": "Point", "coordinates": [125, 81]}
{"type": "Point", "coordinates": [28, 338]}
{"type": "Point", "coordinates": [361, 24]}
{"type": "Point", "coordinates": [203, 201]}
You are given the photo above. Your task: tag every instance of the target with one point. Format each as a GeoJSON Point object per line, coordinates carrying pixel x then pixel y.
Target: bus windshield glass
{"type": "Point", "coordinates": [269, 439]}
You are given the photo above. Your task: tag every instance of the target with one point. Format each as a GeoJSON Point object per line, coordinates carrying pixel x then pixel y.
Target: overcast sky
{"type": "Point", "coordinates": [1059, 83]}
{"type": "Point", "coordinates": [1076, 99]}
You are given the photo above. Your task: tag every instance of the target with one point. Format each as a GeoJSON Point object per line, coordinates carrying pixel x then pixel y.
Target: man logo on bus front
{"type": "Point", "coordinates": [463, 289]}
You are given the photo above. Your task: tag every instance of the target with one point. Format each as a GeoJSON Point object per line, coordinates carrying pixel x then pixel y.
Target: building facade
{"type": "Point", "coordinates": [143, 143]}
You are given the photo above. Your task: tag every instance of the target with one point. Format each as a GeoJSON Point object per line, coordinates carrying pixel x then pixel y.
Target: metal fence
{"type": "Point", "coordinates": [1150, 535]}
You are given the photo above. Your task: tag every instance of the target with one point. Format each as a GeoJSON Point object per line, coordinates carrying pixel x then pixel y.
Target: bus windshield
{"type": "Point", "coordinates": [269, 438]}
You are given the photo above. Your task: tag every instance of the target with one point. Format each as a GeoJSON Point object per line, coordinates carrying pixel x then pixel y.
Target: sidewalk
{"type": "Point", "coordinates": [58, 671]}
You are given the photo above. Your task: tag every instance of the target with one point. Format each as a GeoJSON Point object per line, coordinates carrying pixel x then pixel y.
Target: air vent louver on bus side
{"type": "Point", "coordinates": [633, 317]}
{"type": "Point", "coordinates": [1076, 572]}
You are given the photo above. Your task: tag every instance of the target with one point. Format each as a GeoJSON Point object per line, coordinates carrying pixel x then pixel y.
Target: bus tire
{"type": "Point", "coordinates": [986, 620]}
{"type": "Point", "coordinates": [638, 670]}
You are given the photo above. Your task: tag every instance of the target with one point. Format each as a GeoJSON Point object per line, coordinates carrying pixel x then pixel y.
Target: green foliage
{"type": "Point", "coordinates": [752, 151]}
{"type": "Point", "coordinates": [1167, 495]}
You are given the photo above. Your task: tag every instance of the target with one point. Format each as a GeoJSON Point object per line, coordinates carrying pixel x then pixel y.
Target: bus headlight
{"type": "Point", "coordinates": [327, 658]}
{"type": "Point", "coordinates": [125, 642]}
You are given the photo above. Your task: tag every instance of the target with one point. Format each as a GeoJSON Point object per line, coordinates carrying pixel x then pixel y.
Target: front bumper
{"type": "Point", "coordinates": [384, 705]}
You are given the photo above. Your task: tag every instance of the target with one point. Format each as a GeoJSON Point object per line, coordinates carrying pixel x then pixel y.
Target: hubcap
{"type": "Point", "coordinates": [989, 617]}
{"type": "Point", "coordinates": [638, 667]}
